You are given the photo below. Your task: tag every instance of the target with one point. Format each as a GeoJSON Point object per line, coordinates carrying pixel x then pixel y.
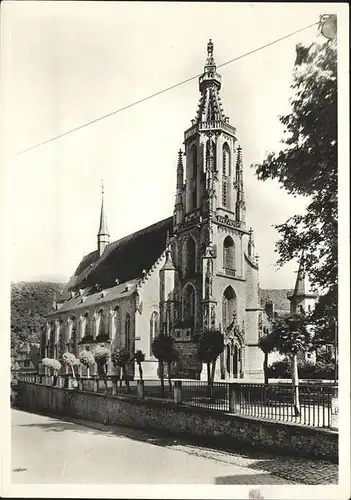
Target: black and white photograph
{"type": "Point", "coordinates": [175, 258]}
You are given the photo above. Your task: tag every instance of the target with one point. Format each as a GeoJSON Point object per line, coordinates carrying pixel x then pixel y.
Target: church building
{"type": "Point", "coordinates": [195, 270]}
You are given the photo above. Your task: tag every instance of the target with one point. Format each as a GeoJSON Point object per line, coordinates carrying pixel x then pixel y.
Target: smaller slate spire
{"type": "Point", "coordinates": [301, 285]}
{"type": "Point", "coordinates": [103, 235]}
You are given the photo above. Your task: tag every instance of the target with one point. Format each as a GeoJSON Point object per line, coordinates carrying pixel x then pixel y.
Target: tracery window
{"type": "Point", "coordinates": [154, 327]}
{"type": "Point", "coordinates": [190, 257]}
{"type": "Point", "coordinates": [193, 176]}
{"type": "Point", "coordinates": [127, 332]}
{"type": "Point", "coordinates": [100, 323]}
{"type": "Point", "coordinates": [229, 254]}
{"type": "Point", "coordinates": [225, 174]}
{"type": "Point", "coordinates": [213, 151]}
{"type": "Point", "coordinates": [189, 303]}
{"type": "Point", "coordinates": [228, 307]}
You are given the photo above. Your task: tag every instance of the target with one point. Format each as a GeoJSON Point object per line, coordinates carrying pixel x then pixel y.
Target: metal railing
{"type": "Point", "coordinates": [198, 393]}
{"type": "Point", "coordinates": [273, 401]}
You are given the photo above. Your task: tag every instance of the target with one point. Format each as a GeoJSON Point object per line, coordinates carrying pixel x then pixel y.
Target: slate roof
{"type": "Point", "coordinates": [124, 259]}
{"type": "Point", "coordinates": [96, 298]}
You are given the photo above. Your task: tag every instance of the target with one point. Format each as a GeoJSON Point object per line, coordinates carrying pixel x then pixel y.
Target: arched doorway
{"type": "Point", "coordinates": [233, 360]}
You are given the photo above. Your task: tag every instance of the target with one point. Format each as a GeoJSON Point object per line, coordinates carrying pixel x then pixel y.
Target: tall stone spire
{"type": "Point", "coordinates": [103, 235]}
{"type": "Point", "coordinates": [210, 106]}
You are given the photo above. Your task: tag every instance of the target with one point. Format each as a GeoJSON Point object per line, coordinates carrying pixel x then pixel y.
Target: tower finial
{"type": "Point", "coordinates": [210, 48]}
{"type": "Point", "coordinates": [210, 60]}
{"type": "Point", "coordinates": [102, 187]}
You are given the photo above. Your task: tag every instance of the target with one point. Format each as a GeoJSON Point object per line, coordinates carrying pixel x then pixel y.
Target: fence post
{"type": "Point", "coordinates": [96, 384]}
{"type": "Point", "coordinates": [140, 388]}
{"type": "Point", "coordinates": [234, 397]}
{"type": "Point", "coordinates": [334, 415]}
{"type": "Point", "coordinates": [177, 391]}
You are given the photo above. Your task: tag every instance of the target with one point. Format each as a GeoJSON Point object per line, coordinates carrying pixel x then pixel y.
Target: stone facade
{"type": "Point", "coordinates": [196, 270]}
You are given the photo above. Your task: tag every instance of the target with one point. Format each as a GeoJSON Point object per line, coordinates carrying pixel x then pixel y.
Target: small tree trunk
{"type": "Point", "coordinates": [140, 371]}
{"type": "Point", "coordinates": [73, 372]}
{"type": "Point", "coordinates": [88, 372]}
{"type": "Point", "coordinates": [208, 379]}
{"type": "Point", "coordinates": [169, 375]}
{"type": "Point", "coordinates": [162, 378]}
{"type": "Point", "coordinates": [265, 367]}
{"type": "Point", "coordinates": [295, 382]}
{"type": "Point", "coordinates": [126, 381]}
{"type": "Point", "coordinates": [213, 370]}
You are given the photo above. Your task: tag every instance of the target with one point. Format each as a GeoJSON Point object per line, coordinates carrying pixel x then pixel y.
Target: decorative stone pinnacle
{"type": "Point", "coordinates": [210, 48]}
{"type": "Point", "coordinates": [102, 187]}
{"type": "Point", "coordinates": [180, 158]}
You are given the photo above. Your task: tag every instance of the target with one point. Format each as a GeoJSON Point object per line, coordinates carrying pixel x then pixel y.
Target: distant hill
{"type": "Point", "coordinates": [30, 302]}
{"type": "Point", "coordinates": [277, 296]}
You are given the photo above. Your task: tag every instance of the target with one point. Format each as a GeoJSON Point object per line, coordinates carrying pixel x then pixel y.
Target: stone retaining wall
{"type": "Point", "coordinates": [231, 430]}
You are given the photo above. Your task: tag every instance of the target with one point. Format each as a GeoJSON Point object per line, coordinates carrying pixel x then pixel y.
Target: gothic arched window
{"type": "Point", "coordinates": [127, 332]}
{"type": "Point", "coordinates": [193, 177]}
{"type": "Point", "coordinates": [225, 174]}
{"type": "Point", "coordinates": [213, 151]}
{"type": "Point", "coordinates": [229, 254]}
{"type": "Point", "coordinates": [228, 307]}
{"type": "Point", "coordinates": [226, 160]}
{"type": "Point", "coordinates": [85, 325]}
{"type": "Point", "coordinates": [154, 327]}
{"type": "Point", "coordinates": [115, 322]}
{"type": "Point", "coordinates": [100, 323]}
{"type": "Point", "coordinates": [190, 257]}
{"type": "Point", "coordinates": [189, 304]}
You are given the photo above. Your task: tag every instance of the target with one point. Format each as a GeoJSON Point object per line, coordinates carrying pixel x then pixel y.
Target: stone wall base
{"type": "Point", "coordinates": [229, 430]}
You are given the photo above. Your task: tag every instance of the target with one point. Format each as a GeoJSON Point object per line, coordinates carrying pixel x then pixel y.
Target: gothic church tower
{"type": "Point", "coordinates": [213, 252]}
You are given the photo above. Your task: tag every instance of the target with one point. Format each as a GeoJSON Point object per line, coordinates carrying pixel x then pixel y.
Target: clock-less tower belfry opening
{"type": "Point", "coordinates": [192, 271]}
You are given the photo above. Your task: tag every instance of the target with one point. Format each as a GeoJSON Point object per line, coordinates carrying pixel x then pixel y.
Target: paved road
{"type": "Point", "coordinates": [48, 450]}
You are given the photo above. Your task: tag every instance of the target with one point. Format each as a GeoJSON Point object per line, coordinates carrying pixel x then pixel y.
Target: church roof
{"type": "Point", "coordinates": [123, 260]}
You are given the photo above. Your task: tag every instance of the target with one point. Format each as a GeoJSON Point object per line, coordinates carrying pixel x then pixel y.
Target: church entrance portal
{"type": "Point", "coordinates": [233, 361]}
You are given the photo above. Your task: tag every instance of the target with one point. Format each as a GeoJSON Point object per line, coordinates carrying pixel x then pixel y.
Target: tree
{"type": "Point", "coordinates": [163, 349]}
{"type": "Point", "coordinates": [54, 365]}
{"type": "Point", "coordinates": [139, 357]}
{"type": "Point", "coordinates": [69, 359]}
{"type": "Point", "coordinates": [292, 335]}
{"type": "Point", "coordinates": [101, 355]}
{"type": "Point", "coordinates": [324, 321]}
{"type": "Point", "coordinates": [307, 164]}
{"type": "Point", "coordinates": [209, 347]}
{"type": "Point", "coordinates": [87, 359]}
{"type": "Point", "coordinates": [120, 359]}
{"type": "Point", "coordinates": [267, 343]}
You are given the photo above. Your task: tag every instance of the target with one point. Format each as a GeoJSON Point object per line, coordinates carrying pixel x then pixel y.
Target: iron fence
{"type": "Point", "coordinates": [199, 393]}
{"type": "Point", "coordinates": [153, 389]}
{"type": "Point", "coordinates": [263, 401]}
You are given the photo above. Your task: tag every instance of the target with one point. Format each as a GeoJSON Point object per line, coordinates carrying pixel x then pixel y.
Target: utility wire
{"type": "Point", "coordinates": [164, 90]}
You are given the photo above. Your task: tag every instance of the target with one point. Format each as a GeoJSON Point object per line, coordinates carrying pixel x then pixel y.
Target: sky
{"type": "Point", "coordinates": [65, 63]}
